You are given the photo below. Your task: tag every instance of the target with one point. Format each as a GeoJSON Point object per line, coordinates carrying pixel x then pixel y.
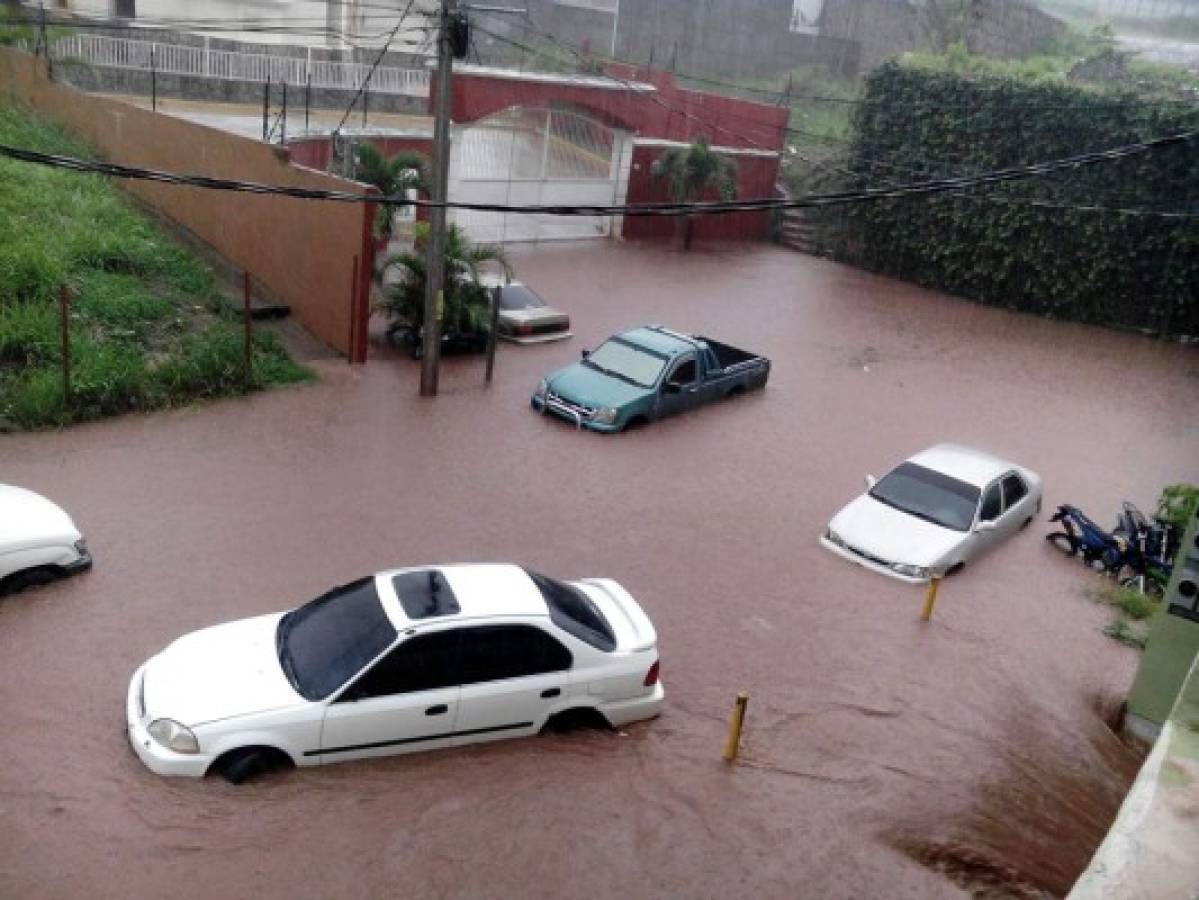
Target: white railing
{"type": "Point", "coordinates": [176, 59]}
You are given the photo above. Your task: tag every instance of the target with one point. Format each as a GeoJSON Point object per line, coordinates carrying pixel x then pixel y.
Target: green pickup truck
{"type": "Point", "coordinates": [645, 374]}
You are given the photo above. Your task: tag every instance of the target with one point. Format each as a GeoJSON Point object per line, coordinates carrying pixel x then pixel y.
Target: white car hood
{"type": "Point", "coordinates": [893, 536]}
{"type": "Point", "coordinates": [28, 520]}
{"type": "Point", "coordinates": [218, 673]}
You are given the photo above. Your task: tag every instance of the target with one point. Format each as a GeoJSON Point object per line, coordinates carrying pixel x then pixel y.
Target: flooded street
{"type": "Point", "coordinates": [874, 744]}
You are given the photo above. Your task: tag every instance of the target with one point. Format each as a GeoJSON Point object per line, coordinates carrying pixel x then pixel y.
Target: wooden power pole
{"type": "Point", "coordinates": [435, 266]}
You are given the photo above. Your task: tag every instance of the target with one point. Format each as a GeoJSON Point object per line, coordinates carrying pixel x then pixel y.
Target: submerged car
{"type": "Point", "coordinates": [38, 541]}
{"type": "Point", "coordinates": [935, 512]}
{"type": "Point", "coordinates": [646, 374]}
{"type": "Point", "coordinates": [524, 317]}
{"type": "Point", "coordinates": [406, 660]}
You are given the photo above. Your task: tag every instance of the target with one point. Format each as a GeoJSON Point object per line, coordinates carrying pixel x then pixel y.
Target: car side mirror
{"type": "Point", "coordinates": [585, 354]}
{"type": "Point", "coordinates": [871, 481]}
{"type": "Point", "coordinates": [985, 526]}
{"type": "Point", "coordinates": [672, 387]}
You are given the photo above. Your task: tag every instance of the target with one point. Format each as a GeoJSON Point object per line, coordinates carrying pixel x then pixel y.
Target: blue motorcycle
{"type": "Point", "coordinates": [1108, 552]}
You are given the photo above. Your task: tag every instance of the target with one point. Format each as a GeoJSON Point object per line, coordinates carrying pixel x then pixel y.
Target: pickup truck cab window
{"type": "Point", "coordinates": [683, 372]}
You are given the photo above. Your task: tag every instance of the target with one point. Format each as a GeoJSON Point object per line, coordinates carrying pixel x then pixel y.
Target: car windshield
{"type": "Point", "coordinates": [517, 296]}
{"type": "Point", "coordinates": [928, 495]}
{"type": "Point", "coordinates": [628, 362]}
{"type": "Point", "coordinates": [323, 644]}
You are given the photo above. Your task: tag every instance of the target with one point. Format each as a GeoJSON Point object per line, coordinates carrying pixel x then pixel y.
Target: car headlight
{"type": "Point", "coordinates": [833, 538]}
{"type": "Point", "coordinates": [174, 736]}
{"type": "Point", "coordinates": [606, 415]}
{"type": "Point", "coordinates": [543, 387]}
{"type": "Point", "coordinates": [911, 571]}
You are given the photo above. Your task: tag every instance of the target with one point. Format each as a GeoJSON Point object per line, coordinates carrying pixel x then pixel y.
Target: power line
{"type": "Point", "coordinates": [374, 65]}
{"type": "Point", "coordinates": [924, 188]}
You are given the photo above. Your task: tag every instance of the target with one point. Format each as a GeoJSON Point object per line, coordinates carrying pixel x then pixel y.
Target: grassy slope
{"type": "Point", "coordinates": [147, 329]}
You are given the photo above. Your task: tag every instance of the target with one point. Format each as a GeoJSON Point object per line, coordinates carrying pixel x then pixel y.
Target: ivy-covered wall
{"type": "Point", "coordinates": [995, 244]}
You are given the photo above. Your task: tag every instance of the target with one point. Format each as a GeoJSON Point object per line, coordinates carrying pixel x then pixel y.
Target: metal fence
{"type": "Point", "coordinates": [176, 59]}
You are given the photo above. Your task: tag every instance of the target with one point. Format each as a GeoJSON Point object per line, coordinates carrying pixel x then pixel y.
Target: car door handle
{"type": "Point", "coordinates": [551, 692]}
{"type": "Point", "coordinates": [439, 710]}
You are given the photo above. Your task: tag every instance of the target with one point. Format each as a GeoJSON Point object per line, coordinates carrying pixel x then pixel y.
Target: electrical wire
{"type": "Point", "coordinates": [374, 65]}
{"type": "Point", "coordinates": [924, 188]}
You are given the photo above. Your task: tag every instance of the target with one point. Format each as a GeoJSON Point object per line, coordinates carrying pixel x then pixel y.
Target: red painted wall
{"type": "Point", "coordinates": [671, 112]}
{"type": "Point", "coordinates": [755, 180]}
{"type": "Point", "coordinates": [314, 152]}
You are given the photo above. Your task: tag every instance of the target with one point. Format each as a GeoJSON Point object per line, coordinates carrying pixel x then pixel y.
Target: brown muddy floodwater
{"type": "Point", "coordinates": [883, 758]}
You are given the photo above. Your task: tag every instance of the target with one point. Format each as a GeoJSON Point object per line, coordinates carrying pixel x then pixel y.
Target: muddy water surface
{"type": "Point", "coordinates": [863, 724]}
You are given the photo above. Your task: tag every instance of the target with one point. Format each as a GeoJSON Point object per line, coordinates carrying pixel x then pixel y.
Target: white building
{"type": "Point", "coordinates": [323, 23]}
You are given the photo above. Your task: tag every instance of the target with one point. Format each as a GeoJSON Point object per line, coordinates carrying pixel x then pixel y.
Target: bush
{"type": "Point", "coordinates": [995, 244]}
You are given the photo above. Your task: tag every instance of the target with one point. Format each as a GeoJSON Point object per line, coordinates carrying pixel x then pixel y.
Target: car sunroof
{"type": "Point", "coordinates": [425, 594]}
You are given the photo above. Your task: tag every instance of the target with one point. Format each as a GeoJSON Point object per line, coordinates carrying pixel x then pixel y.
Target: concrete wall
{"type": "Point", "coordinates": [301, 251]}
{"type": "Point", "coordinates": [1008, 29]}
{"type": "Point", "coordinates": [881, 28]}
{"type": "Point", "coordinates": [717, 38]}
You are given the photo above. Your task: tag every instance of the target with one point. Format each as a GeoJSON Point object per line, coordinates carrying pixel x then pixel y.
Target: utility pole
{"type": "Point", "coordinates": [435, 265]}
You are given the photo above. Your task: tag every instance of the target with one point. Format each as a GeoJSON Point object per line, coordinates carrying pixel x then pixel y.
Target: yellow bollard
{"type": "Point", "coordinates": [733, 743]}
{"type": "Point", "coordinates": [930, 599]}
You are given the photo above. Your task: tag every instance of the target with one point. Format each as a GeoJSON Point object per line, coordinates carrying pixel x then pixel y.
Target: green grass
{"type": "Point", "coordinates": [147, 328]}
{"type": "Point", "coordinates": [1131, 613]}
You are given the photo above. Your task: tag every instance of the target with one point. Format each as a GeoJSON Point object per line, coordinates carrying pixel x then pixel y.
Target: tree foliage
{"type": "Point", "coordinates": [995, 244]}
{"type": "Point", "coordinates": [403, 172]}
{"type": "Point", "coordinates": [693, 171]}
{"type": "Point", "coordinates": [465, 304]}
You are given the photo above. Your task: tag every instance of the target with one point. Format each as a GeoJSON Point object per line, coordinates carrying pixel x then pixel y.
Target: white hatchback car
{"type": "Point", "coordinates": [38, 541]}
{"type": "Point", "coordinates": [934, 513]}
{"type": "Point", "coordinates": [406, 660]}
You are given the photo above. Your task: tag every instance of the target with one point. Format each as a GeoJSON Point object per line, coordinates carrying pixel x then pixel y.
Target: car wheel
{"type": "Point", "coordinates": [238, 766]}
{"type": "Point", "coordinates": [27, 578]}
{"type": "Point", "coordinates": [576, 719]}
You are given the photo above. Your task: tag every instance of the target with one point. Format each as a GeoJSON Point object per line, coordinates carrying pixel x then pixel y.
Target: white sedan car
{"type": "Point", "coordinates": [406, 660]}
{"type": "Point", "coordinates": [523, 316]}
{"type": "Point", "coordinates": [38, 541]}
{"type": "Point", "coordinates": [934, 513]}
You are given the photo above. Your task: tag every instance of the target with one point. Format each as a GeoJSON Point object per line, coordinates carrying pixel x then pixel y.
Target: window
{"type": "Point", "coordinates": [424, 662]}
{"type": "Point", "coordinates": [628, 362]}
{"type": "Point", "coordinates": [992, 504]}
{"type": "Point", "coordinates": [425, 594]}
{"type": "Point", "coordinates": [325, 643]}
{"type": "Point", "coordinates": [575, 613]}
{"type": "Point", "coordinates": [684, 372]}
{"type": "Point", "coordinates": [517, 296]}
{"type": "Point", "coordinates": [1014, 490]}
{"type": "Point", "coordinates": [496, 652]}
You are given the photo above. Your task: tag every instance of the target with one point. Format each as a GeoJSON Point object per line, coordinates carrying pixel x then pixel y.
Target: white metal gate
{"type": "Point", "coordinates": [538, 157]}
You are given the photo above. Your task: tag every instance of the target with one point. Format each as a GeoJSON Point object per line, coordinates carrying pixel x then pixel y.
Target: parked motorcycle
{"type": "Point", "coordinates": [1154, 547]}
{"type": "Point", "coordinates": [1100, 549]}
{"type": "Point", "coordinates": [1138, 553]}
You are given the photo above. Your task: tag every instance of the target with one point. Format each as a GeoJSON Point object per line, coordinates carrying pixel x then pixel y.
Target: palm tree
{"type": "Point", "coordinates": [465, 301]}
{"type": "Point", "coordinates": [392, 177]}
{"type": "Point", "coordinates": [690, 173]}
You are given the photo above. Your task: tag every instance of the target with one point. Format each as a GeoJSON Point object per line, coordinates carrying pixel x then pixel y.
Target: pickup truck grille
{"type": "Point", "coordinates": [573, 412]}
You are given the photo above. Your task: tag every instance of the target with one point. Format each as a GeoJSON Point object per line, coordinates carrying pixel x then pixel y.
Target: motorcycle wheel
{"type": "Point", "coordinates": [1063, 542]}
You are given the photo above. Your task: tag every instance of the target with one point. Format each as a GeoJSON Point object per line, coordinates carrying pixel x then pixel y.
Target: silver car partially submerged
{"type": "Point", "coordinates": [524, 317]}
{"type": "Point", "coordinates": [934, 512]}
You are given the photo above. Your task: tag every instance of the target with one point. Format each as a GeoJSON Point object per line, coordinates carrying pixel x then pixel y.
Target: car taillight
{"type": "Point", "coordinates": [651, 677]}
{"type": "Point", "coordinates": [524, 329]}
